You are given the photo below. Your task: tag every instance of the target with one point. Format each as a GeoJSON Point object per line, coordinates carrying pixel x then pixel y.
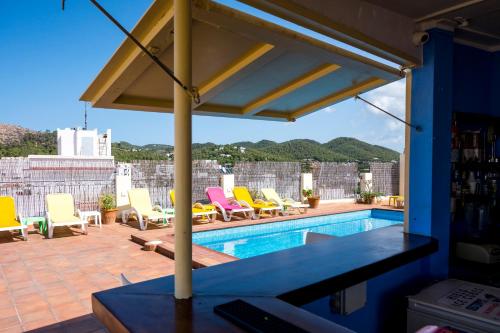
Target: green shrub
{"type": "Point", "coordinates": [107, 202]}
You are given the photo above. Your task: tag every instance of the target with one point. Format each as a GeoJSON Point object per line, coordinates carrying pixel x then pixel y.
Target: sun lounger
{"type": "Point", "coordinates": [243, 196]}
{"type": "Point", "coordinates": [271, 195]}
{"type": "Point", "coordinates": [225, 207]}
{"type": "Point", "coordinates": [143, 210]}
{"type": "Point", "coordinates": [61, 213]}
{"type": "Point", "coordinates": [206, 213]}
{"type": "Point", "coordinates": [8, 219]}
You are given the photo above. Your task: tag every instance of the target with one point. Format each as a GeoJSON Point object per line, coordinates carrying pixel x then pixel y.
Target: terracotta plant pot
{"type": "Point", "coordinates": [109, 216]}
{"type": "Point", "coordinates": [370, 201]}
{"type": "Point", "coordinates": [313, 202]}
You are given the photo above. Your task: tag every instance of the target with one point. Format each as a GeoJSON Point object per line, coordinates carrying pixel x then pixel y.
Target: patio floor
{"type": "Point", "coordinates": [46, 285]}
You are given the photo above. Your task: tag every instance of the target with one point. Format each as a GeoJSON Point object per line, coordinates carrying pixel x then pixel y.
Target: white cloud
{"type": "Point", "coordinates": [391, 139]}
{"type": "Point", "coordinates": [394, 125]}
{"type": "Point", "coordinates": [329, 109]}
{"type": "Point", "coordinates": [390, 98]}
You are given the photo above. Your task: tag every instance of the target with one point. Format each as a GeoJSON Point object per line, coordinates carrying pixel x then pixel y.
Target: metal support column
{"type": "Point", "coordinates": [182, 150]}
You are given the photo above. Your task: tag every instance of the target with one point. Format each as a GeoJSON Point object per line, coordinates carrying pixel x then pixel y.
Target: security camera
{"type": "Point", "coordinates": [461, 22]}
{"type": "Point", "coordinates": [420, 38]}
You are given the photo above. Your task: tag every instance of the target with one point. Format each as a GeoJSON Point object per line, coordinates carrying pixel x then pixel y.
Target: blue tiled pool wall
{"type": "Point", "coordinates": [276, 227]}
{"type": "Point", "coordinates": [221, 235]}
{"type": "Point", "coordinates": [387, 214]}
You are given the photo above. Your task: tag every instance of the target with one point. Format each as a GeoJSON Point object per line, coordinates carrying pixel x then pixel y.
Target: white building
{"type": "Point", "coordinates": [79, 142]}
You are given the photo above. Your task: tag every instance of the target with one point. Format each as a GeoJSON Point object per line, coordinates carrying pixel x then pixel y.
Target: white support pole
{"type": "Point", "coordinates": [182, 153]}
{"type": "Point", "coordinates": [406, 225]}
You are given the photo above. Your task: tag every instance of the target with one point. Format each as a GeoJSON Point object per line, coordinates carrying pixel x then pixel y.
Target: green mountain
{"type": "Point", "coordinates": [360, 150]}
{"type": "Point", "coordinates": [256, 145]}
{"type": "Point", "coordinates": [16, 141]}
{"type": "Point", "coordinates": [301, 149]}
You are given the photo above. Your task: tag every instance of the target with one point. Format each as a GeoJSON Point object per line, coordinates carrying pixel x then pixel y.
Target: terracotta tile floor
{"type": "Point", "coordinates": [46, 285]}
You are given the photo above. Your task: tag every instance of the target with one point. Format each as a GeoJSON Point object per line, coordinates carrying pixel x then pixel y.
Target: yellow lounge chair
{"type": "Point", "coordinates": [141, 207]}
{"type": "Point", "coordinates": [207, 213]}
{"type": "Point", "coordinates": [61, 213]}
{"type": "Point", "coordinates": [242, 195]}
{"type": "Point", "coordinates": [8, 219]}
{"type": "Point", "coordinates": [271, 195]}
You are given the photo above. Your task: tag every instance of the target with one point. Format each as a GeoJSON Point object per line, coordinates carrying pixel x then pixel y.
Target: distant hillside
{"type": "Point", "coordinates": [301, 149]}
{"type": "Point", "coordinates": [361, 150]}
{"type": "Point", "coordinates": [12, 134]}
{"type": "Point", "coordinates": [17, 141]}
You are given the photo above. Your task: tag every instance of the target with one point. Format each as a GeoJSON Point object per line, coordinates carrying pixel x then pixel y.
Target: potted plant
{"type": "Point", "coordinates": [107, 203]}
{"type": "Point", "coordinates": [369, 197]}
{"type": "Point", "coordinates": [312, 199]}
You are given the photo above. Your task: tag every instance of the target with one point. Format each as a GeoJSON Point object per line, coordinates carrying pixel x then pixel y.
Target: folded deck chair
{"type": "Point", "coordinates": [243, 196]}
{"type": "Point", "coordinates": [143, 210]}
{"type": "Point", "coordinates": [226, 208]}
{"type": "Point", "coordinates": [8, 219]}
{"type": "Point", "coordinates": [206, 213]}
{"type": "Point", "coordinates": [61, 213]}
{"type": "Point", "coordinates": [271, 195]}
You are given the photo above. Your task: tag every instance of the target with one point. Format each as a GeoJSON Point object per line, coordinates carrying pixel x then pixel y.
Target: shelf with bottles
{"type": "Point", "coordinates": [475, 175]}
{"type": "Point", "coordinates": [475, 141]}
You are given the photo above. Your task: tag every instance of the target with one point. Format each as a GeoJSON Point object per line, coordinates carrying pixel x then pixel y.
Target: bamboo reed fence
{"type": "Point", "coordinates": [385, 177]}
{"type": "Point", "coordinates": [29, 180]}
{"type": "Point", "coordinates": [158, 177]}
{"type": "Point", "coordinates": [282, 176]}
{"type": "Point", "coordinates": [332, 180]}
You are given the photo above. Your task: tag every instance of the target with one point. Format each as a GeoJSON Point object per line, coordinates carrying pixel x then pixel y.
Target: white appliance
{"type": "Point", "coordinates": [483, 253]}
{"type": "Point", "coordinates": [461, 305]}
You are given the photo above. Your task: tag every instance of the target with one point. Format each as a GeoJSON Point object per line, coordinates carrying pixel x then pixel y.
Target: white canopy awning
{"type": "Point", "coordinates": [242, 66]}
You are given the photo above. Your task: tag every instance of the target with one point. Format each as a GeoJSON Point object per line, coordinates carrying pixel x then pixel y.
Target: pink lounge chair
{"type": "Point", "coordinates": [226, 208]}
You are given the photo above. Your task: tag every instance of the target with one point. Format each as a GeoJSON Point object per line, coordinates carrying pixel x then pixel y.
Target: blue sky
{"type": "Point", "coordinates": [49, 57]}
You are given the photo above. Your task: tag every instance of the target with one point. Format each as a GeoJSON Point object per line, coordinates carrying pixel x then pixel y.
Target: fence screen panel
{"type": "Point", "coordinates": [29, 180]}
{"type": "Point", "coordinates": [385, 177]}
{"type": "Point", "coordinates": [158, 177]}
{"type": "Point", "coordinates": [284, 177]}
{"type": "Point", "coordinates": [333, 180]}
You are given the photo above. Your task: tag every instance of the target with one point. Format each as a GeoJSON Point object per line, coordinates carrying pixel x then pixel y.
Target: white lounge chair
{"type": "Point", "coordinates": [143, 210]}
{"type": "Point", "coordinates": [271, 195]}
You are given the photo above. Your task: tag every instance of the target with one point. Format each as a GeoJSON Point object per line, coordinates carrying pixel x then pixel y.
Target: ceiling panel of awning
{"type": "Point", "coordinates": [243, 67]}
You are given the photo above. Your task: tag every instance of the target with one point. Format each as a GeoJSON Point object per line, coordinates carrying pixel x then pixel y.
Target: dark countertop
{"type": "Point", "coordinates": [278, 282]}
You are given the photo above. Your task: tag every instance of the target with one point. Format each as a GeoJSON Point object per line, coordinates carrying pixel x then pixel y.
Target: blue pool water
{"type": "Point", "coordinates": [254, 240]}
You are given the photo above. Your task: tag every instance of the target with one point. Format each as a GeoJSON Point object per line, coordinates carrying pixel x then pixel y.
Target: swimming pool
{"type": "Point", "coordinates": [254, 240]}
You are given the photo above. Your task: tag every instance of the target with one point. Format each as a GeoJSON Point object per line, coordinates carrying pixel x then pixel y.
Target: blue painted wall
{"type": "Point", "coordinates": [453, 78]}
{"type": "Point", "coordinates": [385, 310]}
{"type": "Point", "coordinates": [431, 108]}
{"type": "Point", "coordinates": [477, 81]}
{"type": "Point", "coordinates": [472, 68]}
{"type": "Point", "coordinates": [495, 85]}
